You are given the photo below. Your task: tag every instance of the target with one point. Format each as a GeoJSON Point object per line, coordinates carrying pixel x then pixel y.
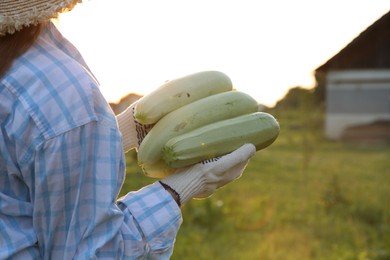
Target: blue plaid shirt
{"type": "Point", "coordinates": [62, 166]}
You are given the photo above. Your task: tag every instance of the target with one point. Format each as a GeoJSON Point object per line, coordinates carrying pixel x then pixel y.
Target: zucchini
{"type": "Point", "coordinates": [179, 92]}
{"type": "Point", "coordinates": [157, 170]}
{"type": "Point", "coordinates": [219, 138]}
{"type": "Point", "coordinates": [191, 116]}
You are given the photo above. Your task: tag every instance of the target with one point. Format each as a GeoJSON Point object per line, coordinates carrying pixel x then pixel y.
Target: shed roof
{"type": "Point", "coordinates": [369, 50]}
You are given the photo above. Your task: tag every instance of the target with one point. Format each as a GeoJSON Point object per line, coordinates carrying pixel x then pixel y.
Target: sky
{"type": "Point", "coordinates": [265, 47]}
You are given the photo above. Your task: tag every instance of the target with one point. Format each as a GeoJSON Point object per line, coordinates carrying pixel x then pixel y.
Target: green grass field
{"type": "Point", "coordinates": [301, 198]}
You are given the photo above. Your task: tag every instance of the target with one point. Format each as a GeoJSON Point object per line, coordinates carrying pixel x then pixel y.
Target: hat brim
{"type": "Point", "coordinates": [14, 15]}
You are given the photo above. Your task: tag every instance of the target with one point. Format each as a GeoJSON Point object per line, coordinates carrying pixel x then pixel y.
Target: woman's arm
{"type": "Point", "coordinates": [78, 177]}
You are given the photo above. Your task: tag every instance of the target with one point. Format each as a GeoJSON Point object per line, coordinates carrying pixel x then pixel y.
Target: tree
{"type": "Point", "coordinates": [296, 97]}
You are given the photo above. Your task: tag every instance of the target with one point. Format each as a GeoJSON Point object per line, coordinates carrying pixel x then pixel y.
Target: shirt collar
{"type": "Point", "coordinates": [52, 36]}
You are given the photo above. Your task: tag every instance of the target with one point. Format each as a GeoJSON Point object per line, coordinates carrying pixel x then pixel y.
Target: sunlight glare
{"type": "Point", "coordinates": [266, 48]}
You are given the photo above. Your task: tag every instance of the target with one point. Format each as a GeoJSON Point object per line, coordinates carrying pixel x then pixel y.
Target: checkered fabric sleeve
{"type": "Point", "coordinates": [62, 166]}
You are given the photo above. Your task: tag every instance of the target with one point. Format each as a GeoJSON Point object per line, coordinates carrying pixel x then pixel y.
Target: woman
{"type": "Point", "coordinates": [62, 155]}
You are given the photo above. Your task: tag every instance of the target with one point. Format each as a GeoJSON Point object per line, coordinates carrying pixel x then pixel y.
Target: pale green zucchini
{"type": "Point", "coordinates": [179, 92]}
{"type": "Point", "coordinates": [219, 138]}
{"type": "Point", "coordinates": [157, 170]}
{"type": "Point", "coordinates": [191, 116]}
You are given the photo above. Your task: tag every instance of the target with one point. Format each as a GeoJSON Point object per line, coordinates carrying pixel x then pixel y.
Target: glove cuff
{"type": "Point", "coordinates": [127, 127]}
{"type": "Point", "coordinates": [186, 184]}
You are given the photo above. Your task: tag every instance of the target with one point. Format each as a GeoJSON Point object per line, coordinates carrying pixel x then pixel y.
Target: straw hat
{"type": "Point", "coordinates": [15, 14]}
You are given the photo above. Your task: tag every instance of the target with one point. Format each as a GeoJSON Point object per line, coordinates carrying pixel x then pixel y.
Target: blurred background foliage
{"type": "Point", "coordinates": [304, 197]}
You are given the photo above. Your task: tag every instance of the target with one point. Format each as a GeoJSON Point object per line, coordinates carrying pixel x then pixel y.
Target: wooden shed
{"type": "Point", "coordinates": [357, 85]}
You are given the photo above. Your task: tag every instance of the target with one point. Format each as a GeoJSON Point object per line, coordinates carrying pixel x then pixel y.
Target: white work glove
{"type": "Point", "coordinates": [132, 131]}
{"type": "Point", "coordinates": [201, 180]}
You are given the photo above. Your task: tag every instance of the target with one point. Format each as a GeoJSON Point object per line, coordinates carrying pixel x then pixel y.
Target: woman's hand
{"type": "Point", "coordinates": [203, 179]}
{"type": "Point", "coordinates": [132, 131]}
